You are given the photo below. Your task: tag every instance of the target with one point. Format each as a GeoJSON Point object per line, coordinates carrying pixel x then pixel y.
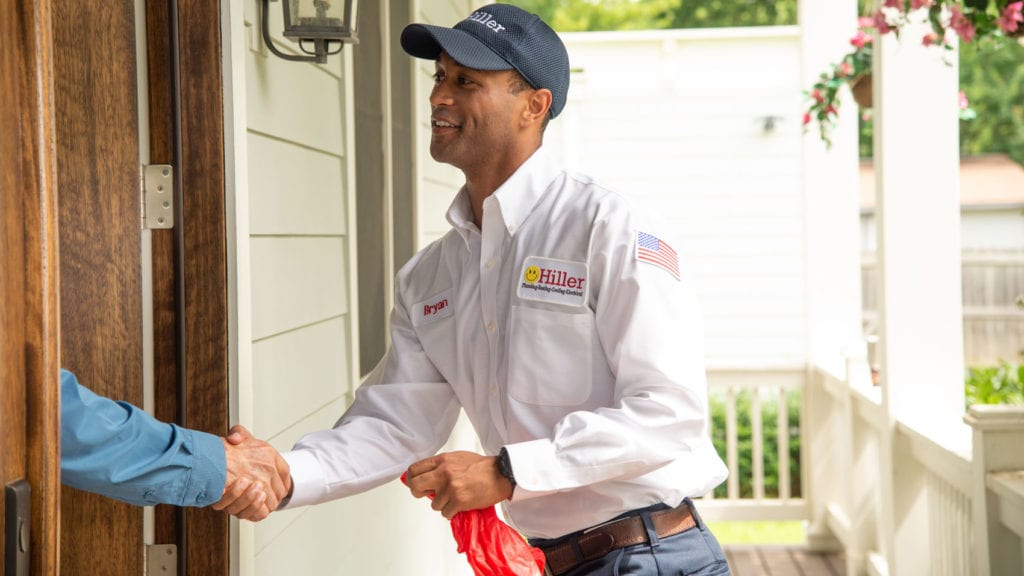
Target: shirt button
{"type": "Point", "coordinates": [490, 326]}
{"type": "Point", "coordinates": [494, 390]}
{"type": "Point", "coordinates": [489, 263]}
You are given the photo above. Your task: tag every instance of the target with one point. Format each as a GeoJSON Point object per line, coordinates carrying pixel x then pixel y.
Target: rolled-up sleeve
{"type": "Point", "coordinates": [116, 449]}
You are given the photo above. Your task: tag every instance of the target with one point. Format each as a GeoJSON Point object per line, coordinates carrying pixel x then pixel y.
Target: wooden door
{"type": "Point", "coordinates": [95, 80]}
{"type": "Point", "coordinates": [69, 209]}
{"type": "Point", "coordinates": [29, 410]}
{"type": "Point", "coordinates": [97, 128]}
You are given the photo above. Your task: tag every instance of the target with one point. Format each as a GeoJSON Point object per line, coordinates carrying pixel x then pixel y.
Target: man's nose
{"type": "Point", "coordinates": [440, 95]}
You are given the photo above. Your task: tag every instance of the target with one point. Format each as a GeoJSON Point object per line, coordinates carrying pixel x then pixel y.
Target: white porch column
{"type": "Point", "coordinates": [830, 193]}
{"type": "Point", "coordinates": [831, 267]}
{"type": "Point", "coordinates": [917, 166]}
{"type": "Point", "coordinates": [920, 306]}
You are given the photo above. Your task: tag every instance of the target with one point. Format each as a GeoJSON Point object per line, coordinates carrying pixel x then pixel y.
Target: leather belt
{"type": "Point", "coordinates": [602, 539]}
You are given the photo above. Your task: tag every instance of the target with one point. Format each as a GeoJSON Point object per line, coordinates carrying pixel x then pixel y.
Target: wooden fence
{"type": "Point", "coordinates": [993, 324]}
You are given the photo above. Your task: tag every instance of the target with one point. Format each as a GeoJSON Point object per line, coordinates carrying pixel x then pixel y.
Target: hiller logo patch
{"type": "Point", "coordinates": [557, 281]}
{"type": "Point", "coordinates": [553, 277]}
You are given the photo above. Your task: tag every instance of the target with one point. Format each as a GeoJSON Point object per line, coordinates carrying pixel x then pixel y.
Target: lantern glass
{"type": "Point", "coordinates": [320, 19]}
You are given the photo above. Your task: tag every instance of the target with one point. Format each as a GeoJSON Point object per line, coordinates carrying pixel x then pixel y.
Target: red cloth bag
{"type": "Point", "coordinates": [492, 547]}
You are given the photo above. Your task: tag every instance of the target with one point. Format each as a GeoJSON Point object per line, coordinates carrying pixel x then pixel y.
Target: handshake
{"type": "Point", "coordinates": [258, 479]}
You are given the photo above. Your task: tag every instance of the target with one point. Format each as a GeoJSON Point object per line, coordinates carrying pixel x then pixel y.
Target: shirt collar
{"type": "Point", "coordinates": [519, 194]}
{"type": "Point", "coordinates": [460, 215]}
{"type": "Point", "coordinates": [514, 199]}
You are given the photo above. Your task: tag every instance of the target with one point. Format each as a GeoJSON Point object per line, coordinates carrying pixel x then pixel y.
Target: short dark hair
{"type": "Point", "coordinates": [516, 85]}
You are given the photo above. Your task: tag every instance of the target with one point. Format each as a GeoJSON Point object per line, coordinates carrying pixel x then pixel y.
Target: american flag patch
{"type": "Point", "coordinates": [655, 251]}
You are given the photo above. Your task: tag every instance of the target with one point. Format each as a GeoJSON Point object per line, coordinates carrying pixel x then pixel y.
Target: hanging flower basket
{"type": "Point", "coordinates": [862, 91]}
{"type": "Point", "coordinates": [966, 19]}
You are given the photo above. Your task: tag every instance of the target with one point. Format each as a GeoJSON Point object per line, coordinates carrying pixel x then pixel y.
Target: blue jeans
{"type": "Point", "coordinates": [692, 553]}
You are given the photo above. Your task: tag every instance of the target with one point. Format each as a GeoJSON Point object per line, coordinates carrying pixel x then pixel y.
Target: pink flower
{"type": "Point", "coordinates": [930, 38]}
{"type": "Point", "coordinates": [916, 4]}
{"type": "Point", "coordinates": [878, 19]}
{"type": "Point", "coordinates": [865, 22]}
{"type": "Point", "coordinates": [844, 70]}
{"type": "Point", "coordinates": [963, 103]}
{"type": "Point", "coordinates": [1011, 17]}
{"type": "Point", "coordinates": [816, 95]}
{"type": "Point", "coordinates": [860, 39]}
{"type": "Point", "coordinates": [898, 4]}
{"type": "Point", "coordinates": [807, 118]}
{"type": "Point", "coordinates": [960, 23]}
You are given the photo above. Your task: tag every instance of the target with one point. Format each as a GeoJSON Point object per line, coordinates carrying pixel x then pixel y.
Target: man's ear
{"type": "Point", "coordinates": [538, 105]}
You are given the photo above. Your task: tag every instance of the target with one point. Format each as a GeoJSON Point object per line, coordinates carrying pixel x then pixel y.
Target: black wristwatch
{"type": "Point", "coordinates": [505, 467]}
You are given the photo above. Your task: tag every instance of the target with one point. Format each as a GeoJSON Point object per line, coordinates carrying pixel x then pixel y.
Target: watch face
{"type": "Point", "coordinates": [505, 466]}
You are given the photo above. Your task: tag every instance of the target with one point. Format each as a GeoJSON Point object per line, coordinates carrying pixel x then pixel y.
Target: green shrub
{"type": "Point", "coordinates": [744, 441]}
{"type": "Point", "coordinates": [995, 384]}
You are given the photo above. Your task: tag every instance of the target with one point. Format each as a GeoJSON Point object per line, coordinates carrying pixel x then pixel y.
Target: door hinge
{"type": "Point", "coordinates": [157, 196]}
{"type": "Point", "coordinates": [161, 560]}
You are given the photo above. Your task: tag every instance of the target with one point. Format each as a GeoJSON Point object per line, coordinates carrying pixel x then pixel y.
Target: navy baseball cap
{"type": "Point", "coordinates": [499, 37]}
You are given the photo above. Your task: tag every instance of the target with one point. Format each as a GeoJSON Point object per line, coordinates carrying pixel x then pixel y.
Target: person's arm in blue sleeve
{"type": "Point", "coordinates": [116, 449]}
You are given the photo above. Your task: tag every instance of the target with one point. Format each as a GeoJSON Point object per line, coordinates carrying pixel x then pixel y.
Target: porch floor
{"type": "Point", "coordinates": [781, 560]}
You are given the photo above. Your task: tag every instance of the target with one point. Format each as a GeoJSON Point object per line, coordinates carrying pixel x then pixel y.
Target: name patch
{"type": "Point", "coordinates": [556, 281]}
{"type": "Point", "coordinates": [432, 309]}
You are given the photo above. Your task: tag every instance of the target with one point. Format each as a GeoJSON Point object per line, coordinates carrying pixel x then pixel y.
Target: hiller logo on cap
{"type": "Point", "coordinates": [485, 19]}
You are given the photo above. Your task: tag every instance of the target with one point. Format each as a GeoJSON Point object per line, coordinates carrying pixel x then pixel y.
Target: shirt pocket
{"type": "Point", "coordinates": [550, 357]}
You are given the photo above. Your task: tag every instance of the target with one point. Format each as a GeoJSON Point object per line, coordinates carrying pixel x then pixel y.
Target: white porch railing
{"type": "Point", "coordinates": [764, 385]}
{"type": "Point", "coordinates": [957, 502]}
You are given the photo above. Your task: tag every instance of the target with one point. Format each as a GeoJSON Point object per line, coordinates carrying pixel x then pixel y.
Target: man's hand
{"type": "Point", "coordinates": [258, 478]}
{"type": "Point", "coordinates": [459, 481]}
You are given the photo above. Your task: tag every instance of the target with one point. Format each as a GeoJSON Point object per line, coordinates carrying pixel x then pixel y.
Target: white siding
{"type": "Point", "coordinates": [290, 195]}
{"type": "Point", "coordinates": [291, 161]}
{"type": "Point", "coordinates": [992, 229]}
{"type": "Point", "coordinates": [297, 281]}
{"type": "Point", "coordinates": [300, 272]}
{"type": "Point", "coordinates": [980, 229]}
{"type": "Point", "coordinates": [677, 119]}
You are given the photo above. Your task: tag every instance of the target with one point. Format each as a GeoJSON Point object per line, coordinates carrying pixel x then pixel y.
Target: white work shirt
{"type": "Point", "coordinates": [561, 337]}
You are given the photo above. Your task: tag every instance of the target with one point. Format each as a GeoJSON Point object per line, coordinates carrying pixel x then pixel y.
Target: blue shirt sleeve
{"type": "Point", "coordinates": [116, 449]}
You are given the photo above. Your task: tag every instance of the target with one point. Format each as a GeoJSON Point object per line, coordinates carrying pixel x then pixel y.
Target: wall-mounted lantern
{"type": "Point", "coordinates": [320, 27]}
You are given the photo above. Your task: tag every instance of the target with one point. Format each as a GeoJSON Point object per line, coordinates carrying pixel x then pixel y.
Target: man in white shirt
{"type": "Point", "coordinates": [555, 315]}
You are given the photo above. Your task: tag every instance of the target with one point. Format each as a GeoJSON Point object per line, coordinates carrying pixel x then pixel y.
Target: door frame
{"type": "Point", "coordinates": [190, 287]}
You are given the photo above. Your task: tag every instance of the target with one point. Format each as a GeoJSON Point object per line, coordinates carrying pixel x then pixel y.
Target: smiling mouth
{"type": "Point", "coordinates": [442, 124]}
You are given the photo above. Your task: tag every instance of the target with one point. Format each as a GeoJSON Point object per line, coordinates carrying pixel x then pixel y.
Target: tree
{"type": "Point", "coordinates": [593, 15]}
{"type": "Point", "coordinates": [992, 77]}
{"type": "Point", "coordinates": [718, 13]}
